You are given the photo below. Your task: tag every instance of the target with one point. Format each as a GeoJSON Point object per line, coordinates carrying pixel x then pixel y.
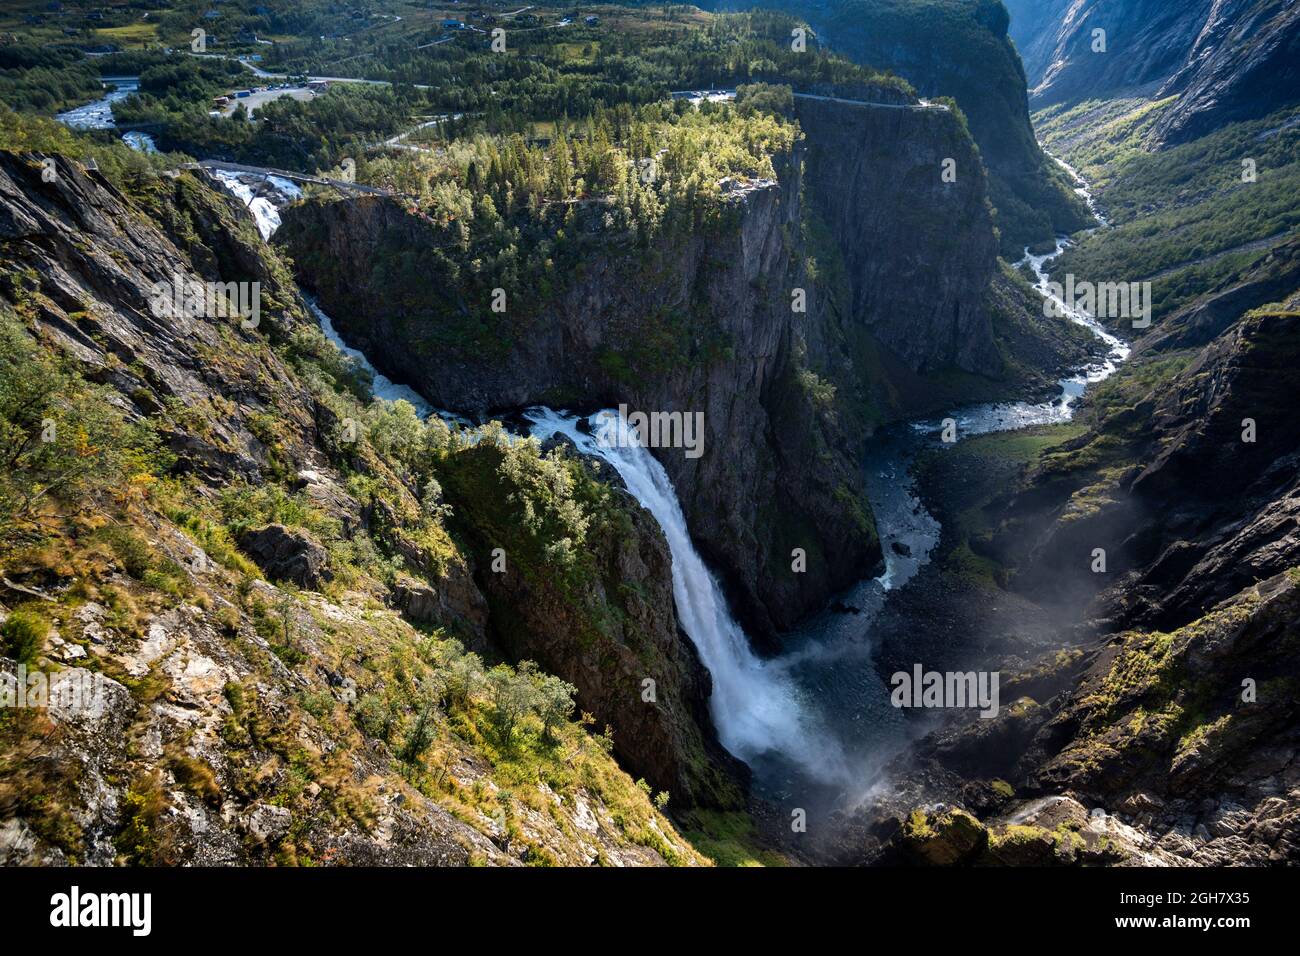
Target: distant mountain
{"type": "Point", "coordinates": [1226, 59]}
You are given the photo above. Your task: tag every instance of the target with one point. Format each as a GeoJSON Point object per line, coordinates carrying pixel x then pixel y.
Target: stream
{"type": "Point", "coordinates": [99, 114]}
{"type": "Point", "coordinates": [817, 719]}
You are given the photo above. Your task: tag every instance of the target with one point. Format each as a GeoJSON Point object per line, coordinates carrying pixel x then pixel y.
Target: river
{"type": "Point", "coordinates": [99, 114]}
{"type": "Point", "coordinates": [831, 659]}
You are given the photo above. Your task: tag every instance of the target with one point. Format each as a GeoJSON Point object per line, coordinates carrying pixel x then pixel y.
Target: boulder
{"type": "Point", "coordinates": [266, 823]}
{"type": "Point", "coordinates": [941, 837]}
{"type": "Point", "coordinates": [293, 556]}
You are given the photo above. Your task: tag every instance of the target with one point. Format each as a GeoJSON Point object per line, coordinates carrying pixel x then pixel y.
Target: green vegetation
{"type": "Point", "coordinates": [96, 513]}
{"type": "Point", "coordinates": [728, 839]}
{"type": "Point", "coordinates": [22, 635]}
{"type": "Point", "coordinates": [1189, 218]}
{"type": "Point", "coordinates": [527, 219]}
{"type": "Point", "coordinates": [46, 79]}
{"type": "Point", "coordinates": [998, 460]}
{"type": "Point", "coordinates": [124, 167]}
{"type": "Point", "coordinates": [1153, 708]}
{"type": "Point", "coordinates": [61, 438]}
{"type": "Point", "coordinates": [435, 92]}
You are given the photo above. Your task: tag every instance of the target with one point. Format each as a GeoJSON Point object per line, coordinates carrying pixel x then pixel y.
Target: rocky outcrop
{"type": "Point", "coordinates": [1052, 832]}
{"type": "Point", "coordinates": [961, 50]}
{"type": "Point", "coordinates": [1150, 749]}
{"type": "Point", "coordinates": [1201, 321]}
{"type": "Point", "coordinates": [1221, 488]}
{"type": "Point", "coordinates": [609, 627]}
{"type": "Point", "coordinates": [85, 260]}
{"type": "Point", "coordinates": [1176, 728]}
{"type": "Point", "coordinates": [293, 556]}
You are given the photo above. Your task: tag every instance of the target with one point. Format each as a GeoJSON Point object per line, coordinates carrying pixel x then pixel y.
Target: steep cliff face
{"type": "Point", "coordinates": [917, 250]}
{"type": "Point", "coordinates": [960, 49]}
{"type": "Point", "coordinates": [607, 631]}
{"type": "Point", "coordinates": [1245, 63]}
{"type": "Point", "coordinates": [711, 321]}
{"type": "Point", "coordinates": [1031, 31]}
{"type": "Point", "coordinates": [1056, 42]}
{"type": "Point", "coordinates": [1226, 60]}
{"type": "Point", "coordinates": [708, 322]}
{"type": "Point", "coordinates": [291, 713]}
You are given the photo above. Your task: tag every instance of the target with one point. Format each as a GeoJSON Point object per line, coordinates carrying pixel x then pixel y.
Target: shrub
{"type": "Point", "coordinates": [24, 633]}
{"type": "Point", "coordinates": [514, 697]}
{"type": "Point", "coordinates": [129, 547]}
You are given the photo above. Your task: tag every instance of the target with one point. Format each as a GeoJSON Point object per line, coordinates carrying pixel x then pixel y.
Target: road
{"type": "Point", "coordinates": [262, 74]}
{"type": "Point", "coordinates": [923, 105]}
{"type": "Point", "coordinates": [730, 94]}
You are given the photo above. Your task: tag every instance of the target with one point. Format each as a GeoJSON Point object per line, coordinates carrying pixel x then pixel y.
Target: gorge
{"type": "Point", "coordinates": [790, 715]}
{"type": "Point", "coordinates": [386, 573]}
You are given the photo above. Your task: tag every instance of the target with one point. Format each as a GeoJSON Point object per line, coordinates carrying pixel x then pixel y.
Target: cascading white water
{"type": "Point", "coordinates": [266, 212]}
{"type": "Point", "coordinates": [757, 710]}
{"type": "Point", "coordinates": [755, 706]}
{"type": "Point", "coordinates": [380, 385]}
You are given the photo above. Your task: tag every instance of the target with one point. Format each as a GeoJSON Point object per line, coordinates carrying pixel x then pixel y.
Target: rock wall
{"type": "Point", "coordinates": [703, 322]}
{"type": "Point", "coordinates": [919, 252]}
{"type": "Point", "coordinates": [1227, 60]}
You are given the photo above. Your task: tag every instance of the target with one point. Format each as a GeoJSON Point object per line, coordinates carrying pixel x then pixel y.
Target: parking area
{"type": "Point", "coordinates": [256, 98]}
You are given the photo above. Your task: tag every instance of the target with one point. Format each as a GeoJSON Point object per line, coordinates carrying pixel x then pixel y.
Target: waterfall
{"type": "Point", "coordinates": [380, 385]}
{"type": "Point", "coordinates": [265, 209]}
{"type": "Point", "coordinates": [755, 707]}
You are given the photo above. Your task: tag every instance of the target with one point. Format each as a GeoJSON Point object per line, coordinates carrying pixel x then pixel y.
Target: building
{"type": "Point", "coordinates": [591, 21]}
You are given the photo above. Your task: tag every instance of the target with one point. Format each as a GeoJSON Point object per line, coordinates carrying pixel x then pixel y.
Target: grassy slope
{"type": "Point", "coordinates": [1182, 218]}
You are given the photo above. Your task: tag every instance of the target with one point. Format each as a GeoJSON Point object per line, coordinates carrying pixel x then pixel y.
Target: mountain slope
{"type": "Point", "coordinates": [960, 49]}
{"type": "Point", "coordinates": [1225, 60]}
{"type": "Point", "coordinates": [279, 614]}
{"type": "Point", "coordinates": [1166, 733]}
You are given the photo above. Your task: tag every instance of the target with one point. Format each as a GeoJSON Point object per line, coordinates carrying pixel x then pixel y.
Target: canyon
{"type": "Point", "coordinates": [382, 575]}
